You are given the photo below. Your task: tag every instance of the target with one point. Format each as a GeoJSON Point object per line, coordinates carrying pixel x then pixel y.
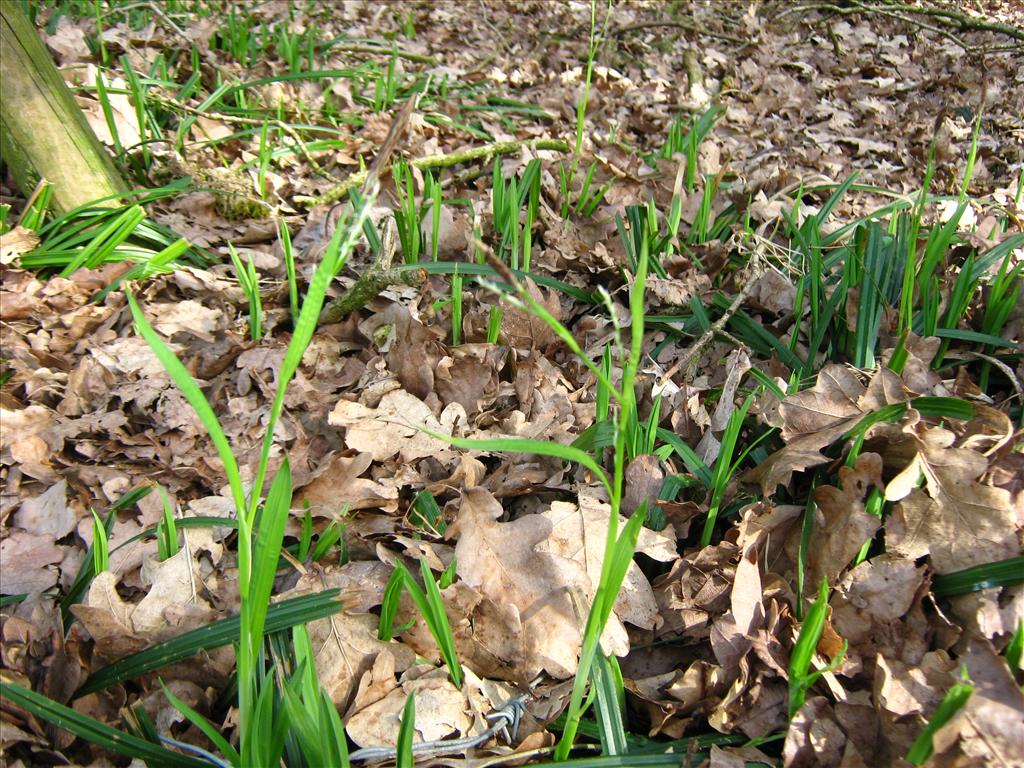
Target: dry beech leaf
{"type": "Point", "coordinates": [814, 737]}
{"type": "Point", "coordinates": [414, 353]}
{"type": "Point", "coordinates": [440, 712]}
{"type": "Point", "coordinates": [339, 485]}
{"type": "Point", "coordinates": [872, 598]}
{"type": "Point", "coordinates": [578, 532]}
{"type": "Point", "coordinates": [26, 562]}
{"type": "Point", "coordinates": [747, 608]}
{"type": "Point", "coordinates": [186, 317]}
{"type": "Point", "coordinates": [523, 329]}
{"type": "Point", "coordinates": [346, 646]}
{"type": "Point", "coordinates": [13, 244]}
{"type": "Point", "coordinates": [169, 582]}
{"type": "Point", "coordinates": [48, 514]}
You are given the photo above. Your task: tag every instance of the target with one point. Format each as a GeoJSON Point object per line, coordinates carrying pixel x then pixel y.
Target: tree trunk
{"type": "Point", "coordinates": [43, 133]}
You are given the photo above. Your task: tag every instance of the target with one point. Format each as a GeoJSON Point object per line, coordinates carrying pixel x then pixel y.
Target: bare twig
{"type": "Point", "coordinates": [687, 361]}
{"type": "Point", "coordinates": [377, 278]}
{"type": "Point", "coordinates": [695, 28]}
{"type": "Point", "coordinates": [442, 161]}
{"type": "Point", "coordinates": [237, 120]}
{"type": "Point", "coordinates": [904, 13]}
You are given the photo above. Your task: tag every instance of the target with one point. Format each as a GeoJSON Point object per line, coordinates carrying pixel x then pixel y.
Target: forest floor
{"type": "Point", "coordinates": [821, 425]}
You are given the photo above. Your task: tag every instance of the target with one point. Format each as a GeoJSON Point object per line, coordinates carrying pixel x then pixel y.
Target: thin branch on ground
{"type": "Point", "coordinates": [300, 145]}
{"type": "Point", "coordinates": [442, 161]}
{"type": "Point", "coordinates": [695, 28]}
{"type": "Point", "coordinates": [687, 362]}
{"type": "Point", "coordinates": [900, 11]}
{"type": "Point", "coordinates": [371, 282]}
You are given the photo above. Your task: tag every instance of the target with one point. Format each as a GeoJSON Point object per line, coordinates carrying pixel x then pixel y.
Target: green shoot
{"type": "Point", "coordinates": [603, 395]}
{"type": "Point", "coordinates": [494, 324]}
{"type": "Point", "coordinates": [1014, 652]}
{"type": "Point", "coordinates": [800, 677]}
{"type": "Point", "coordinates": [405, 757]}
{"type": "Point", "coordinates": [285, 238]}
{"type": "Point", "coordinates": [724, 468]}
{"type": "Point", "coordinates": [430, 605]}
{"type": "Point", "coordinates": [954, 700]}
{"type": "Point", "coordinates": [610, 703]}
{"type": "Point", "coordinates": [566, 178]}
{"type": "Point", "coordinates": [264, 161]}
{"type": "Point", "coordinates": [407, 215]}
{"type": "Point", "coordinates": [103, 96]}
{"type": "Point", "coordinates": [433, 189]}
{"type": "Point", "coordinates": [250, 284]}
{"type": "Point", "coordinates": [101, 247]}
{"type": "Point", "coordinates": [98, 733]}
{"type": "Point", "coordinates": [689, 142]}
{"type": "Point", "coordinates": [203, 725]}
{"type": "Point", "coordinates": [100, 545]}
{"type": "Point", "coordinates": [333, 534]}
{"type": "Point", "coordinates": [456, 309]}
{"type": "Point", "coordinates": [37, 207]}
{"type": "Point", "coordinates": [167, 531]}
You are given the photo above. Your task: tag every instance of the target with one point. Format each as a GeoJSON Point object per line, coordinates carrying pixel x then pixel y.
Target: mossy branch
{"type": "Point", "coordinates": [378, 277]}
{"type": "Point", "coordinates": [444, 161]}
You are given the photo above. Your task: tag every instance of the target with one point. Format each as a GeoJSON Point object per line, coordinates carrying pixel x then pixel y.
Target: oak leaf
{"type": "Point", "coordinates": [503, 562]}
{"type": "Point", "coordinates": [957, 520]}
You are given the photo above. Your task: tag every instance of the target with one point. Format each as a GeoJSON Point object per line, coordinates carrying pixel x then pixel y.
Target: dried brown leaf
{"type": "Point", "coordinates": [957, 520]}
{"type": "Point", "coordinates": [502, 561]}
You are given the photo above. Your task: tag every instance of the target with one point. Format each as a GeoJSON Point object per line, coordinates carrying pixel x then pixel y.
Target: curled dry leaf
{"type": "Point", "coordinates": [48, 514]}
{"type": "Point", "coordinates": [26, 561]}
{"type": "Point", "coordinates": [398, 425]}
{"type": "Point", "coordinates": [870, 603]}
{"type": "Point", "coordinates": [339, 485]}
{"type": "Point", "coordinates": [544, 589]}
{"type": "Point", "coordinates": [816, 740]}
{"type": "Point", "coordinates": [579, 532]}
{"type": "Point", "coordinates": [16, 242]}
{"type": "Point", "coordinates": [814, 418]}
{"type": "Point", "coordinates": [843, 525]}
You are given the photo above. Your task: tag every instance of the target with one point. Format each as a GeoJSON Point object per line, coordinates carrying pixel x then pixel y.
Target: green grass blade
{"type": "Point", "coordinates": [222, 632]}
{"type": "Point", "coordinates": [803, 651]}
{"type": "Point", "coordinates": [195, 397]}
{"type": "Point", "coordinates": [437, 620]}
{"type": "Point", "coordinates": [608, 706]}
{"type": "Point", "coordinates": [268, 551]}
{"type": "Point", "coordinates": [404, 757]}
{"type": "Point", "coordinates": [1001, 573]}
{"type": "Point", "coordinates": [205, 726]}
{"type": "Point", "coordinates": [539, 447]}
{"type": "Point", "coordinates": [954, 700]}
{"type": "Point", "coordinates": [1014, 651]}
{"type": "Point", "coordinates": [96, 732]}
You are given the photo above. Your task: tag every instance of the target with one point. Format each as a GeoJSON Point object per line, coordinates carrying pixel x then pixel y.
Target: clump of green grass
{"type": "Point", "coordinates": [263, 726]}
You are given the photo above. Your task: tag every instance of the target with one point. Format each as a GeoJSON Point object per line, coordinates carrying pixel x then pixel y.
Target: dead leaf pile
{"type": "Point", "coordinates": [703, 635]}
